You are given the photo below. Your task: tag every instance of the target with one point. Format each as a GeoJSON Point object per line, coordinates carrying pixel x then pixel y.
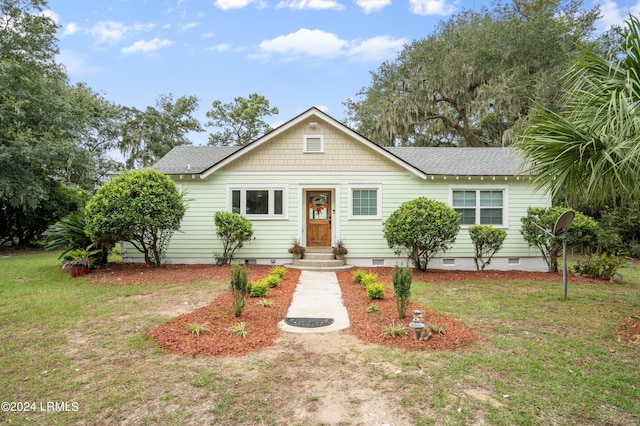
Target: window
{"type": "Point", "coordinates": [484, 207]}
{"type": "Point", "coordinates": [313, 143]}
{"type": "Point", "coordinates": [365, 202]}
{"type": "Point", "coordinates": [258, 202]}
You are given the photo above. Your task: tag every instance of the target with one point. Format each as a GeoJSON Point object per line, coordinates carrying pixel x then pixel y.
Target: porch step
{"type": "Point", "coordinates": [320, 259]}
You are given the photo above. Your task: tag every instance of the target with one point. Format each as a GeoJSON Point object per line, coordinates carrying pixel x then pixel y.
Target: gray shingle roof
{"type": "Point", "coordinates": [192, 159]}
{"type": "Point", "coordinates": [463, 161]}
{"type": "Point", "coordinates": [429, 160]}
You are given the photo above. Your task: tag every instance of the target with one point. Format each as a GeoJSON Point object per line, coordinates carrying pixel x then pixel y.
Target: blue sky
{"type": "Point", "coordinates": [296, 53]}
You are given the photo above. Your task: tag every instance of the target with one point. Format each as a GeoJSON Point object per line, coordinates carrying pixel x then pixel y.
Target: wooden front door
{"type": "Point", "coordinates": [318, 218]}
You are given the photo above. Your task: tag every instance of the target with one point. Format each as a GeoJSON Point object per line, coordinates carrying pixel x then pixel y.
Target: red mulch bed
{"type": "Point", "coordinates": [261, 322]}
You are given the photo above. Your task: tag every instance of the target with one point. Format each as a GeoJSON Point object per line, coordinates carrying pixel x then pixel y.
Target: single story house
{"type": "Point", "coordinates": [316, 180]}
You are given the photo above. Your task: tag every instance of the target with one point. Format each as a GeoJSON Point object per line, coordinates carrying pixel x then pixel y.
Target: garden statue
{"type": "Point", "coordinates": [417, 323]}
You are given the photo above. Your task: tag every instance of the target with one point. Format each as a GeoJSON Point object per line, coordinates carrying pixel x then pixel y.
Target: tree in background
{"type": "Point", "coordinates": [589, 150]}
{"type": "Point", "coordinates": [422, 227]}
{"type": "Point", "coordinates": [147, 136]}
{"type": "Point", "coordinates": [144, 208]}
{"type": "Point", "coordinates": [242, 121]}
{"type": "Point", "coordinates": [473, 80]}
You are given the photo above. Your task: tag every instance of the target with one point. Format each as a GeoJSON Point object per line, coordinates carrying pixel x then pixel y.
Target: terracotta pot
{"type": "Point", "coordinates": [77, 271]}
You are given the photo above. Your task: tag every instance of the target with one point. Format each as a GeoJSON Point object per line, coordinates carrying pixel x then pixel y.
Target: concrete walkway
{"type": "Point", "coordinates": [317, 295]}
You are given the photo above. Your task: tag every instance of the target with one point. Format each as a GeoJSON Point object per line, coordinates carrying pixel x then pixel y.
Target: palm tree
{"type": "Point", "coordinates": [590, 147]}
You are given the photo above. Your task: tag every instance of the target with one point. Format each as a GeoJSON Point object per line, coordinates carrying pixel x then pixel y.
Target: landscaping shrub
{"type": "Point", "coordinates": [272, 281]}
{"type": "Point", "coordinates": [234, 230]}
{"type": "Point", "coordinates": [278, 271]}
{"type": "Point", "coordinates": [421, 227]}
{"type": "Point", "coordinates": [239, 287]}
{"type": "Point", "coordinates": [599, 266]}
{"type": "Point", "coordinates": [259, 288]}
{"type": "Point", "coordinates": [487, 240]}
{"type": "Point", "coordinates": [358, 274]}
{"type": "Point", "coordinates": [368, 278]}
{"type": "Point", "coordinates": [401, 279]}
{"type": "Point", "coordinates": [375, 291]}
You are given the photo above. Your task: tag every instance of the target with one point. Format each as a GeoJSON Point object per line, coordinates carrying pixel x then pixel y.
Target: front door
{"type": "Point", "coordinates": [318, 218]}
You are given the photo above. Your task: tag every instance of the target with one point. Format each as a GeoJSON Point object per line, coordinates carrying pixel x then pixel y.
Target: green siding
{"type": "Point", "coordinates": [363, 237]}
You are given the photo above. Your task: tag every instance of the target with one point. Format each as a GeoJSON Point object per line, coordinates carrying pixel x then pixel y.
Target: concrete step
{"type": "Point", "coordinates": [319, 262]}
{"type": "Point", "coordinates": [321, 268]}
{"type": "Point", "coordinates": [318, 256]}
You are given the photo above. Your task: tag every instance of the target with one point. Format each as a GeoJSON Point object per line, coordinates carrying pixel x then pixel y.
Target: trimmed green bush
{"type": "Point", "coordinates": [368, 278]}
{"type": "Point", "coordinates": [272, 281]}
{"type": "Point", "coordinates": [421, 228]}
{"type": "Point", "coordinates": [278, 271]}
{"type": "Point", "coordinates": [375, 291]}
{"type": "Point", "coordinates": [487, 240]}
{"type": "Point", "coordinates": [259, 288]}
{"type": "Point", "coordinates": [234, 230]}
{"type": "Point", "coordinates": [358, 274]}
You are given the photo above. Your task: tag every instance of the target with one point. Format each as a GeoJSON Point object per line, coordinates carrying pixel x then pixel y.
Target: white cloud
{"type": "Point", "coordinates": [232, 4]}
{"type": "Point", "coordinates": [143, 27]}
{"type": "Point", "coordinates": [70, 29]}
{"type": "Point", "coordinates": [376, 49]}
{"type": "Point", "coordinates": [324, 45]}
{"type": "Point", "coordinates": [75, 63]}
{"type": "Point", "coordinates": [222, 47]}
{"type": "Point", "coordinates": [108, 32]}
{"type": "Point", "coordinates": [144, 46]}
{"type": "Point", "coordinates": [310, 4]}
{"type": "Point", "coordinates": [612, 14]}
{"type": "Point", "coordinates": [51, 15]}
{"type": "Point", "coordinates": [304, 42]}
{"type": "Point", "coordinates": [190, 25]}
{"type": "Point", "coordinates": [372, 5]}
{"type": "Point", "coordinates": [431, 7]}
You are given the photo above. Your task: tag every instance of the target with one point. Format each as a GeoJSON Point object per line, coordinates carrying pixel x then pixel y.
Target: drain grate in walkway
{"type": "Point", "coordinates": [309, 322]}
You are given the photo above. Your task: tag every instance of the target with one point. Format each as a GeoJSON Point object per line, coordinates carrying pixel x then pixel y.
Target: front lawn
{"type": "Point", "coordinates": [77, 353]}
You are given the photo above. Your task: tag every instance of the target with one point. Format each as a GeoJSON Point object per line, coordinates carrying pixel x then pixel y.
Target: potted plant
{"type": "Point", "coordinates": [77, 262]}
{"type": "Point", "coordinates": [296, 249]}
{"type": "Point", "coordinates": [339, 250]}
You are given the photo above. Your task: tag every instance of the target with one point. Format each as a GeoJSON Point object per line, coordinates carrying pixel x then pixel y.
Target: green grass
{"type": "Point", "coordinates": [543, 360]}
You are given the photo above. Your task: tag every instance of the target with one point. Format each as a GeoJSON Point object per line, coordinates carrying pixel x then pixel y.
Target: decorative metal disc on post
{"type": "Point", "coordinates": [560, 230]}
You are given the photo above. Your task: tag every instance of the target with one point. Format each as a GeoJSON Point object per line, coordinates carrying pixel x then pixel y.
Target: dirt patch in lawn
{"type": "Point", "coordinates": [208, 329]}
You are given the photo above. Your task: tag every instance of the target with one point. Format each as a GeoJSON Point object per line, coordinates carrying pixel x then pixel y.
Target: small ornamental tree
{"type": "Point", "coordinates": [401, 278]}
{"type": "Point", "coordinates": [142, 207]}
{"type": "Point", "coordinates": [583, 233]}
{"type": "Point", "coordinates": [234, 230]}
{"type": "Point", "coordinates": [239, 288]}
{"type": "Point", "coordinates": [423, 227]}
{"type": "Point", "coordinates": [487, 240]}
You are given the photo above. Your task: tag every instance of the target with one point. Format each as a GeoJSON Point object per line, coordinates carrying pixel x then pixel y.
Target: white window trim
{"type": "Point", "coordinates": [307, 137]}
{"type": "Point", "coordinates": [260, 187]}
{"type": "Point", "coordinates": [478, 188]}
{"type": "Point", "coordinates": [366, 186]}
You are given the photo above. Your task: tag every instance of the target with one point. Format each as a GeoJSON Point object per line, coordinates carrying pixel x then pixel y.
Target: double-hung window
{"type": "Point", "coordinates": [365, 202]}
{"type": "Point", "coordinates": [480, 206]}
{"type": "Point", "coordinates": [258, 202]}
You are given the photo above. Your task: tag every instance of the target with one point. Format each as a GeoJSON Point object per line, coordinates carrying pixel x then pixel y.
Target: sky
{"type": "Point", "coordinates": [296, 53]}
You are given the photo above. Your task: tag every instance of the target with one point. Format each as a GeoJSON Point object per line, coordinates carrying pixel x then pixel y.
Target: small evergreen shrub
{"type": "Point", "coordinates": [259, 289]}
{"type": "Point", "coordinates": [358, 274]}
{"type": "Point", "coordinates": [278, 271]}
{"type": "Point", "coordinates": [601, 267]}
{"type": "Point", "coordinates": [401, 278]}
{"type": "Point", "coordinates": [239, 287]}
{"type": "Point", "coordinates": [375, 291]}
{"type": "Point", "coordinates": [372, 308]}
{"type": "Point", "coordinates": [487, 240]}
{"type": "Point", "coordinates": [272, 281]}
{"type": "Point", "coordinates": [368, 278]}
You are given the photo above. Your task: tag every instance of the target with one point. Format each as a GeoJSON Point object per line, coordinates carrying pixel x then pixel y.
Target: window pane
{"type": "Point", "coordinates": [464, 198]}
{"type": "Point", "coordinates": [277, 201]}
{"type": "Point", "coordinates": [491, 216]}
{"type": "Point", "coordinates": [365, 202]}
{"type": "Point", "coordinates": [235, 201]}
{"type": "Point", "coordinates": [257, 202]}
{"type": "Point", "coordinates": [491, 198]}
{"type": "Point", "coordinates": [468, 216]}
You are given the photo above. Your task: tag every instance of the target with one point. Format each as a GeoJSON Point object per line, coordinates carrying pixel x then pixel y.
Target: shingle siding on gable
{"type": "Point", "coordinates": [285, 153]}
